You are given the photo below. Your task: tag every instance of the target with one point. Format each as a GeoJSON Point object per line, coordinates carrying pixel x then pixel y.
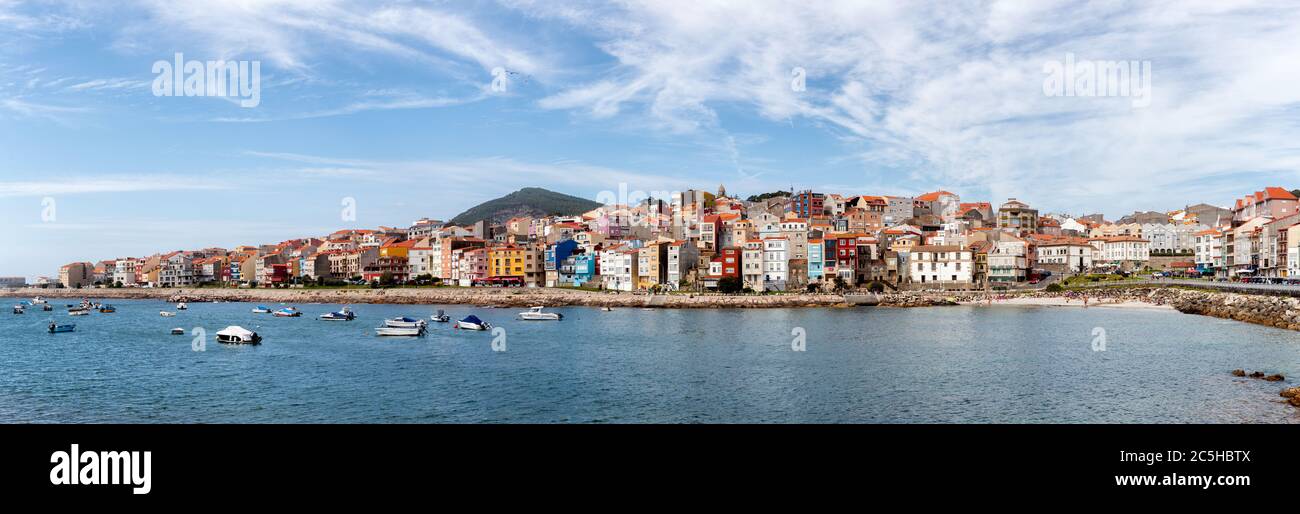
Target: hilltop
{"type": "Point", "coordinates": [529, 201]}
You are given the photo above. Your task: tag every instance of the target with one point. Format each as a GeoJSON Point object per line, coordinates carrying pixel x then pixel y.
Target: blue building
{"type": "Point", "coordinates": [554, 259]}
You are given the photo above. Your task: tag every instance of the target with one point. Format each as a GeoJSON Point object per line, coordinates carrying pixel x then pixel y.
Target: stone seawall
{"type": "Point", "coordinates": [508, 297]}
{"type": "Point", "coordinates": [1273, 311]}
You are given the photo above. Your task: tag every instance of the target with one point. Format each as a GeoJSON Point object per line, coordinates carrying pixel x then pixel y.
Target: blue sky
{"type": "Point", "coordinates": [391, 104]}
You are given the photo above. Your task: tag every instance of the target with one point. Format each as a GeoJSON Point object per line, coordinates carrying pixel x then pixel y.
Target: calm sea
{"type": "Point", "coordinates": [947, 365]}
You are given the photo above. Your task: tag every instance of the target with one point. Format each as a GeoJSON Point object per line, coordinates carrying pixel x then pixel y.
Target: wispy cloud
{"type": "Point", "coordinates": [76, 185]}
{"type": "Point", "coordinates": [951, 91]}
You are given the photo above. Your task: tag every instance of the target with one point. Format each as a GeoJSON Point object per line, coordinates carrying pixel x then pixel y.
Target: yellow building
{"type": "Point", "coordinates": [506, 261]}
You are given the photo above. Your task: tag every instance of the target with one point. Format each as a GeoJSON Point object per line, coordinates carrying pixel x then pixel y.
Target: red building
{"type": "Point", "coordinates": [278, 274]}
{"type": "Point", "coordinates": [727, 262]}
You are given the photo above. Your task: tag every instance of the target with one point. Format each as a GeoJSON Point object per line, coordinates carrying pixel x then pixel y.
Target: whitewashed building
{"type": "Point", "coordinates": [947, 266]}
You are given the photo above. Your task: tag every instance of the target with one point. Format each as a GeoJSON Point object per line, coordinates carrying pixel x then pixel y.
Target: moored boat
{"type": "Point", "coordinates": [536, 314]}
{"type": "Point", "coordinates": [38, 300]}
{"type": "Point", "coordinates": [472, 322]}
{"type": "Point", "coordinates": [404, 322]}
{"type": "Point", "coordinates": [401, 331]}
{"type": "Point", "coordinates": [287, 312]}
{"type": "Point", "coordinates": [261, 309]}
{"type": "Point", "coordinates": [181, 306]}
{"type": "Point", "coordinates": [79, 312]}
{"type": "Point", "coordinates": [238, 335]}
{"type": "Point", "coordinates": [440, 317]}
{"type": "Point", "coordinates": [342, 315]}
{"type": "Point", "coordinates": [56, 328]}
{"type": "Point", "coordinates": [18, 309]}
{"type": "Point", "coordinates": [106, 309]}
{"type": "Point", "coordinates": [167, 314]}
{"type": "Point", "coordinates": [178, 331]}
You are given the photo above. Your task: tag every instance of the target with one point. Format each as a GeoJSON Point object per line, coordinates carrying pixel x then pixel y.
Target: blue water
{"type": "Point", "coordinates": [947, 364]}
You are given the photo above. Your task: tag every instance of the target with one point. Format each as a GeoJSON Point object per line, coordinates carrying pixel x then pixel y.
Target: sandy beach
{"type": "Point", "coordinates": [1060, 301]}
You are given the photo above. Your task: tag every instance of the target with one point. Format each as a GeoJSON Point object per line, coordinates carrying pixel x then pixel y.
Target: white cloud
{"type": "Point", "coordinates": [73, 185]}
{"type": "Point", "coordinates": [953, 91]}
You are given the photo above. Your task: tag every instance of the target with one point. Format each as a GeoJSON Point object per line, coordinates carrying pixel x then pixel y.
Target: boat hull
{"type": "Point", "coordinates": [400, 332]}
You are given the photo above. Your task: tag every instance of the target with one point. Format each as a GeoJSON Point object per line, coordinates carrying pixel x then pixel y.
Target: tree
{"type": "Point", "coordinates": [730, 285]}
{"type": "Point", "coordinates": [840, 284]}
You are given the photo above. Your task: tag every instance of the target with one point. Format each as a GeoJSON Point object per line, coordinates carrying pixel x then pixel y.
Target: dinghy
{"type": "Point", "coordinates": [440, 317]}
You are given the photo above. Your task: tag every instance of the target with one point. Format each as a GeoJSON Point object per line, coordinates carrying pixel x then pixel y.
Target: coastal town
{"type": "Point", "coordinates": [777, 242]}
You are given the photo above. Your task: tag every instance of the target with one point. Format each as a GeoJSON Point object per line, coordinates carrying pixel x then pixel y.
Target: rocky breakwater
{"type": "Point", "coordinates": [1273, 311]}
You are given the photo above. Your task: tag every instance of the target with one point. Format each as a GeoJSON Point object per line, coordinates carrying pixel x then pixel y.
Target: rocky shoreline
{"type": "Point", "coordinates": [1273, 311]}
{"type": "Point", "coordinates": [508, 297]}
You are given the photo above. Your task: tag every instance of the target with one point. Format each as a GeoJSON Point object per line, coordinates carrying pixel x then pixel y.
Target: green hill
{"type": "Point", "coordinates": [529, 201]}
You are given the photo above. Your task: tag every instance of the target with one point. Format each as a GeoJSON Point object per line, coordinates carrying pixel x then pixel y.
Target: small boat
{"type": "Point", "coordinates": [287, 312]}
{"type": "Point", "coordinates": [440, 317]}
{"type": "Point", "coordinates": [37, 300]}
{"type": "Point", "coordinates": [261, 309]}
{"type": "Point", "coordinates": [106, 309]}
{"type": "Point", "coordinates": [536, 314]}
{"type": "Point", "coordinates": [55, 329]}
{"type": "Point", "coordinates": [400, 331]}
{"type": "Point", "coordinates": [18, 309]}
{"type": "Point", "coordinates": [181, 306]}
{"type": "Point", "coordinates": [606, 309]}
{"type": "Point", "coordinates": [178, 331]}
{"type": "Point", "coordinates": [404, 322]}
{"type": "Point", "coordinates": [47, 307]}
{"type": "Point", "coordinates": [472, 322]}
{"type": "Point", "coordinates": [342, 315]}
{"type": "Point", "coordinates": [79, 312]}
{"type": "Point", "coordinates": [167, 314]}
{"type": "Point", "coordinates": [238, 335]}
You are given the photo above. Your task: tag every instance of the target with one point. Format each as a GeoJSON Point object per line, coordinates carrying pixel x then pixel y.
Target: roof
{"type": "Point", "coordinates": [930, 197]}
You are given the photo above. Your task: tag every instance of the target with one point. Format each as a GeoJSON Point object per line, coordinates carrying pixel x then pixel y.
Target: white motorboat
{"type": "Point", "coordinates": [400, 331]}
{"type": "Point", "coordinates": [18, 309]}
{"type": "Point", "coordinates": [404, 322]}
{"type": "Point", "coordinates": [536, 314]}
{"type": "Point", "coordinates": [178, 331]}
{"type": "Point", "coordinates": [472, 322]}
{"type": "Point", "coordinates": [181, 306]}
{"type": "Point", "coordinates": [440, 317]}
{"type": "Point", "coordinates": [167, 314]}
{"type": "Point", "coordinates": [79, 312]}
{"type": "Point", "coordinates": [606, 309]}
{"type": "Point", "coordinates": [342, 315]}
{"type": "Point", "coordinates": [261, 309]}
{"type": "Point", "coordinates": [238, 335]}
{"type": "Point", "coordinates": [287, 312]}
{"type": "Point", "coordinates": [38, 300]}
